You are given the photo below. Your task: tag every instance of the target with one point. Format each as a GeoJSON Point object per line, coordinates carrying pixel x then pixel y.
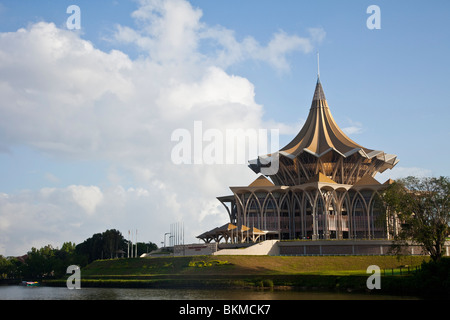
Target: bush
{"type": "Point", "coordinates": [211, 263]}
{"type": "Point", "coordinates": [434, 278]}
{"type": "Point", "coordinates": [266, 283]}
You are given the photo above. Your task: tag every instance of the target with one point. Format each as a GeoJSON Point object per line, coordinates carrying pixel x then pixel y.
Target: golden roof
{"type": "Point", "coordinates": [367, 180]}
{"type": "Point", "coordinates": [320, 177]}
{"type": "Point", "coordinates": [261, 181]}
{"type": "Point", "coordinates": [321, 138]}
{"type": "Point", "coordinates": [320, 133]}
{"type": "Point", "coordinates": [251, 230]}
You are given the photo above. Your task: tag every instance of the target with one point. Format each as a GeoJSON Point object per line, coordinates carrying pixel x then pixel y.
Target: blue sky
{"type": "Point", "coordinates": [87, 114]}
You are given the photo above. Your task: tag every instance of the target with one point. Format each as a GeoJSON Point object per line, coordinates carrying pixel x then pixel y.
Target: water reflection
{"type": "Point", "coordinates": [56, 293]}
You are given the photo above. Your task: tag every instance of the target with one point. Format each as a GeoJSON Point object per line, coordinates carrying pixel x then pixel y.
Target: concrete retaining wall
{"type": "Point", "coordinates": [265, 248]}
{"type": "Point", "coordinates": [344, 247]}
{"type": "Point", "coordinates": [297, 248]}
{"type": "Point", "coordinates": [194, 249]}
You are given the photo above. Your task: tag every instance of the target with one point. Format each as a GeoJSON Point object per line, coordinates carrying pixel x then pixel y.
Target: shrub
{"type": "Point", "coordinates": [433, 279]}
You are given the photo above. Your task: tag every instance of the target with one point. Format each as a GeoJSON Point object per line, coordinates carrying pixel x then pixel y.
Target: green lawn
{"type": "Point", "coordinates": [329, 272]}
{"type": "Point", "coordinates": [248, 265]}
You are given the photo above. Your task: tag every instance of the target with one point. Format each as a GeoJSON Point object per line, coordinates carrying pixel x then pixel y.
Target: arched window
{"type": "Point", "coordinates": [298, 217]}
{"type": "Point", "coordinates": [287, 224]}
{"type": "Point", "coordinates": [270, 215]}
{"type": "Point", "coordinates": [344, 219]}
{"type": "Point", "coordinates": [332, 220]}
{"type": "Point", "coordinates": [378, 218]}
{"type": "Point", "coordinates": [252, 212]}
{"type": "Point", "coordinates": [308, 217]}
{"type": "Point", "coordinates": [321, 215]}
{"type": "Point", "coordinates": [359, 219]}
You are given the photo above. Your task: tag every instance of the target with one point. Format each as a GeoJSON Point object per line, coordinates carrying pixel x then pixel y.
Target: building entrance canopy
{"type": "Point", "coordinates": [234, 234]}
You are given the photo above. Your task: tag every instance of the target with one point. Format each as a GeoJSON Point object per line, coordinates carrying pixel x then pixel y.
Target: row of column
{"type": "Point", "coordinates": [313, 214]}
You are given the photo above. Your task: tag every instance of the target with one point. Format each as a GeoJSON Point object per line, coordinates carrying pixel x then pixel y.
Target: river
{"type": "Point", "coordinates": [62, 293]}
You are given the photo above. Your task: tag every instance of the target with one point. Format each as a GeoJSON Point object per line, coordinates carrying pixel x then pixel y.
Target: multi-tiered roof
{"type": "Point", "coordinates": [321, 147]}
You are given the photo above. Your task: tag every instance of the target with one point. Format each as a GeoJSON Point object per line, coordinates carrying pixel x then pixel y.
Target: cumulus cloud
{"type": "Point", "coordinates": [54, 215]}
{"type": "Point", "coordinates": [55, 88]}
{"type": "Point", "coordinates": [64, 97]}
{"type": "Point", "coordinates": [173, 31]}
{"type": "Point", "coordinates": [87, 198]}
{"type": "Point", "coordinates": [355, 127]}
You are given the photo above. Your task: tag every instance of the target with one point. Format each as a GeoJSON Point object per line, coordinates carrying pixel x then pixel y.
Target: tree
{"type": "Point", "coordinates": [10, 268]}
{"type": "Point", "coordinates": [422, 206]}
{"type": "Point", "coordinates": [5, 267]}
{"type": "Point", "coordinates": [91, 248]}
{"type": "Point", "coordinates": [112, 242]}
{"type": "Point", "coordinates": [102, 245]}
{"type": "Point", "coordinates": [40, 262]}
{"type": "Point", "coordinates": [145, 247]}
{"type": "Point", "coordinates": [46, 262]}
{"type": "Point", "coordinates": [64, 257]}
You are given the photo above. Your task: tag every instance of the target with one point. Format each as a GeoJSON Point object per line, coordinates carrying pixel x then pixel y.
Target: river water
{"type": "Point", "coordinates": [62, 293]}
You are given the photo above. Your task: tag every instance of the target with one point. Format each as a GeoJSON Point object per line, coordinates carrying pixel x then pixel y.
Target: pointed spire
{"type": "Point", "coordinates": [319, 136]}
{"type": "Point", "coordinates": [318, 67]}
{"type": "Point", "coordinates": [318, 93]}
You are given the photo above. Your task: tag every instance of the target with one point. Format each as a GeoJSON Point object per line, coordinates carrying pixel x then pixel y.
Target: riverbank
{"type": "Point", "coordinates": [335, 273]}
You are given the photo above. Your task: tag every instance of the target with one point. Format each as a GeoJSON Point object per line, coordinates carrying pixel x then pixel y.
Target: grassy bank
{"type": "Point", "coordinates": [246, 265]}
{"type": "Point", "coordinates": [346, 273]}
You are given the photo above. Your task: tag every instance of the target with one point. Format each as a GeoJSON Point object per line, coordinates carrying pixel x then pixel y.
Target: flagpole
{"type": "Point", "coordinates": [136, 245]}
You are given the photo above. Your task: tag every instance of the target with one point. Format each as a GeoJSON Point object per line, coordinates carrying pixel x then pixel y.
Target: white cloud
{"type": "Point", "coordinates": [172, 31]}
{"type": "Point", "coordinates": [279, 46]}
{"type": "Point", "coordinates": [62, 96]}
{"type": "Point", "coordinates": [55, 215]}
{"type": "Point", "coordinates": [87, 198]}
{"type": "Point", "coordinates": [55, 88]}
{"type": "Point", "coordinates": [317, 34]}
{"type": "Point", "coordinates": [354, 128]}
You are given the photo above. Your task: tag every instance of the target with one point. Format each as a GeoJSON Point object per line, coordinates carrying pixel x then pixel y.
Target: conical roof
{"type": "Point", "coordinates": [320, 136]}
{"type": "Point", "coordinates": [320, 133]}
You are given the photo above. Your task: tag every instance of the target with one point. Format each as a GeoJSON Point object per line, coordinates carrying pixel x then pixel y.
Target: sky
{"type": "Point", "coordinates": [87, 115]}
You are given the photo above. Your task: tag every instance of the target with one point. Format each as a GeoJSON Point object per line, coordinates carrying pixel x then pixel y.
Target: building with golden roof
{"type": "Point", "coordinates": [319, 186]}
